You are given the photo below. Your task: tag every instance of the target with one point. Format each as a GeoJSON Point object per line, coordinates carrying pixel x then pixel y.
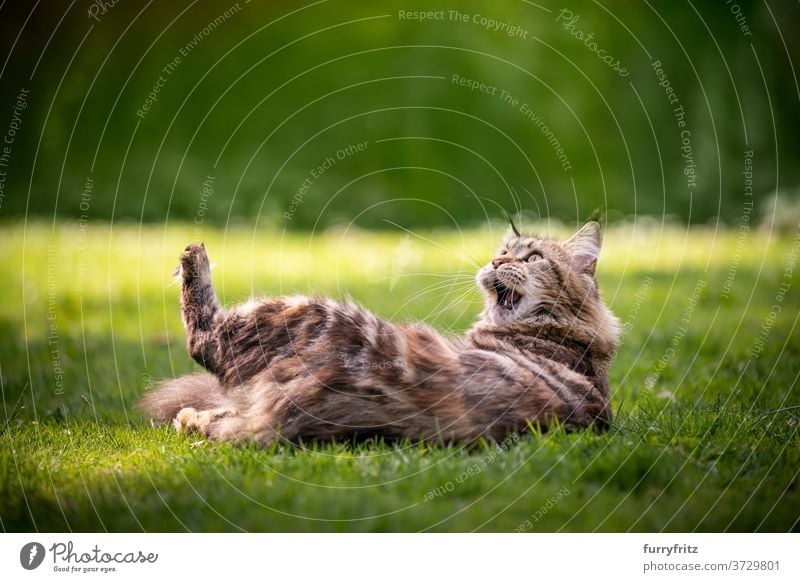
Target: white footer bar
{"type": "Point", "coordinates": [406, 557]}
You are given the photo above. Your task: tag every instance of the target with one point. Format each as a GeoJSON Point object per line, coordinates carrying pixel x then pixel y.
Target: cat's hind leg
{"type": "Point", "coordinates": [200, 308]}
{"type": "Point", "coordinates": [192, 420]}
{"type": "Point", "coordinates": [224, 424]}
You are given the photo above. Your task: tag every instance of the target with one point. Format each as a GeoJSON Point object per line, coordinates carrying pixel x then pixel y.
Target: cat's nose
{"type": "Point", "coordinates": [501, 261]}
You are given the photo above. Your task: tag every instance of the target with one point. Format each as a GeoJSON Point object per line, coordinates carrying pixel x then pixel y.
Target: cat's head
{"type": "Point", "coordinates": [538, 280]}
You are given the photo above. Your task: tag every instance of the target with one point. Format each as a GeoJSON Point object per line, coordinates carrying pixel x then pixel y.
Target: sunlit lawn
{"type": "Point", "coordinates": [705, 436]}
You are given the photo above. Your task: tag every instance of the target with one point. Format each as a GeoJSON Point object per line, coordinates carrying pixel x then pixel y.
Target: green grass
{"type": "Point", "coordinates": [705, 441]}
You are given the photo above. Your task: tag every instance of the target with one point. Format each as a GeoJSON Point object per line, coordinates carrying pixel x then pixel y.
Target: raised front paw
{"type": "Point", "coordinates": [194, 262]}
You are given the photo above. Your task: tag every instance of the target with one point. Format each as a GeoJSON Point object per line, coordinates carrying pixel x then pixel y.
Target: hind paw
{"type": "Point", "coordinates": [190, 420]}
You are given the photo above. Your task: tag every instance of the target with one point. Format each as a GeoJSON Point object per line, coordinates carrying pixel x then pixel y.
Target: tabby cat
{"type": "Point", "coordinates": [313, 368]}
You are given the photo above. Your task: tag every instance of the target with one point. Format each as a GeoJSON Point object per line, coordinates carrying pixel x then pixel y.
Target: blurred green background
{"type": "Point", "coordinates": [263, 93]}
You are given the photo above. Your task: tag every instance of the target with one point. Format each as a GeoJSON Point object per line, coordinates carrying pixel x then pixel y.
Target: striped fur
{"type": "Point", "coordinates": [312, 368]}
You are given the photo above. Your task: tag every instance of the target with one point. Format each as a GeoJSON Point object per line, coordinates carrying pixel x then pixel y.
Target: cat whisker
{"type": "Point", "coordinates": [436, 287]}
{"type": "Point", "coordinates": [439, 286]}
{"type": "Point", "coordinates": [443, 288]}
{"type": "Point", "coordinates": [439, 309]}
{"type": "Point", "coordinates": [461, 277]}
{"type": "Point", "coordinates": [461, 296]}
{"type": "Point", "coordinates": [474, 261]}
{"type": "Point", "coordinates": [459, 299]}
{"type": "Point", "coordinates": [451, 282]}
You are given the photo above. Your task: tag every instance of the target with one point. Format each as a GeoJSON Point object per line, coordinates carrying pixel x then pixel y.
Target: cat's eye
{"type": "Point", "coordinates": [534, 256]}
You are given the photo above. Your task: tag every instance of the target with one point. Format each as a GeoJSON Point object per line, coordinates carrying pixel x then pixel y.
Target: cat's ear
{"type": "Point", "coordinates": [584, 246]}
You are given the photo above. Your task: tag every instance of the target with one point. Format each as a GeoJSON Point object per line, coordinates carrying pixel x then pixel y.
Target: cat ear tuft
{"type": "Point", "coordinates": [584, 246]}
{"type": "Point", "coordinates": [513, 226]}
{"type": "Point", "coordinates": [597, 215]}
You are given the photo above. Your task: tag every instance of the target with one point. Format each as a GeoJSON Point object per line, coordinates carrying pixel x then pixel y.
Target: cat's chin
{"type": "Point", "coordinates": [499, 317]}
{"type": "Point", "coordinates": [501, 314]}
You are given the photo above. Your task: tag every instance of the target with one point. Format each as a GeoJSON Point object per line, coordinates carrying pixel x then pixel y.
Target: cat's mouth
{"type": "Point", "coordinates": [507, 298]}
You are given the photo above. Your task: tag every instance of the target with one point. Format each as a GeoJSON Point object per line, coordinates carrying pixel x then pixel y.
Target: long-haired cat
{"type": "Point", "coordinates": [313, 368]}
